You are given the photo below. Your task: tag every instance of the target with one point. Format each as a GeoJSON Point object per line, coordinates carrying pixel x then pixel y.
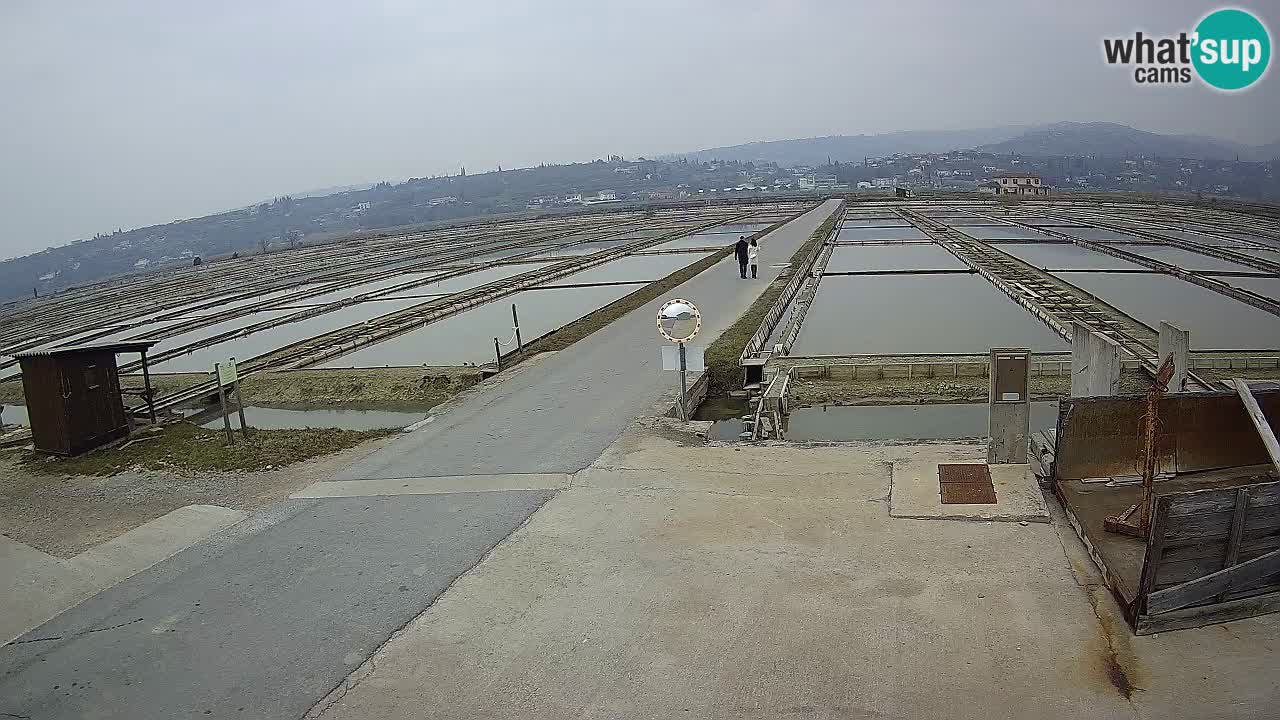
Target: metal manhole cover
{"type": "Point", "coordinates": [968, 484]}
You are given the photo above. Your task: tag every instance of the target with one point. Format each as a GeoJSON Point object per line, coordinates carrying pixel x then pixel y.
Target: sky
{"type": "Point", "coordinates": [136, 112]}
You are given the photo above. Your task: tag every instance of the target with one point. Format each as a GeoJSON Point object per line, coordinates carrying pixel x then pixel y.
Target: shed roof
{"type": "Point", "coordinates": [133, 346]}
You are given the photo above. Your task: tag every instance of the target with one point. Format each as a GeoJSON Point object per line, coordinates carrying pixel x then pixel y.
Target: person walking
{"type": "Point", "coordinates": [753, 254]}
{"type": "Point", "coordinates": [741, 251]}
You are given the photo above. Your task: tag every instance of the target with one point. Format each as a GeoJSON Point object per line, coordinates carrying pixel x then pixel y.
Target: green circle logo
{"type": "Point", "coordinates": [1232, 49]}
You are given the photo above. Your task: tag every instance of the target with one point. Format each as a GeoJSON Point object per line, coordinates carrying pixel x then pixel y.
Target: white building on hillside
{"type": "Point", "coordinates": [1020, 184]}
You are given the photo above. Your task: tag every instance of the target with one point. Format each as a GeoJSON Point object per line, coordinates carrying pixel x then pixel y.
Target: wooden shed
{"type": "Point", "coordinates": [74, 402]}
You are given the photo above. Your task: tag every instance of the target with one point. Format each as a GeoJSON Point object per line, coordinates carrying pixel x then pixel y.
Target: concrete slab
{"type": "Point", "coordinates": [625, 599]}
{"type": "Point", "coordinates": [435, 485]}
{"type": "Point", "coordinates": [654, 602]}
{"type": "Point", "coordinates": [34, 586]}
{"type": "Point", "coordinates": [151, 542]}
{"type": "Point", "coordinates": [37, 586]}
{"type": "Point", "coordinates": [914, 492]}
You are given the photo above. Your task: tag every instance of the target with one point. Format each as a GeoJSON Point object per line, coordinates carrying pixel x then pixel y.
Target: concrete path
{"type": "Point", "coordinates": [678, 580]}
{"type": "Point", "coordinates": [263, 622]}
{"type": "Point", "coordinates": [36, 586]}
{"type": "Point", "coordinates": [559, 418]}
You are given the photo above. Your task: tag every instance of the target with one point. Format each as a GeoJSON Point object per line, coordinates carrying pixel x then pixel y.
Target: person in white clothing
{"type": "Point", "coordinates": [753, 255]}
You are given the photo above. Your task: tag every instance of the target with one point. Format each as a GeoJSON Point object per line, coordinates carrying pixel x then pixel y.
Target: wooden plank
{"type": "Point", "coordinates": [1221, 499]}
{"type": "Point", "coordinates": [1207, 614]}
{"type": "Point", "coordinates": [1259, 421]}
{"type": "Point", "coordinates": [1236, 577]}
{"type": "Point", "coordinates": [1273, 585]}
{"type": "Point", "coordinates": [1213, 548]}
{"type": "Point", "coordinates": [1155, 550]}
{"type": "Point", "coordinates": [1218, 525]}
{"type": "Point", "coordinates": [1259, 522]}
{"type": "Point", "coordinates": [1206, 548]}
{"type": "Point", "coordinates": [1237, 531]}
{"type": "Point", "coordinates": [1173, 574]}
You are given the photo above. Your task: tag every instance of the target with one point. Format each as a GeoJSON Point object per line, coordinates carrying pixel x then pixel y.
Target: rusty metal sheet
{"type": "Point", "coordinates": [1219, 433]}
{"type": "Point", "coordinates": [1100, 436]}
{"type": "Point", "coordinates": [966, 484]}
{"type": "Point", "coordinates": [968, 494]}
{"type": "Point", "coordinates": [964, 473]}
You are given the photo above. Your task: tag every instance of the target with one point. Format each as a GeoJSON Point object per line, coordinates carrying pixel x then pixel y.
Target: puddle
{"type": "Point", "coordinates": [727, 413]}
{"type": "Point", "coordinates": [268, 418]}
{"type": "Point", "coordinates": [834, 423]}
{"type": "Point", "coordinates": [14, 415]}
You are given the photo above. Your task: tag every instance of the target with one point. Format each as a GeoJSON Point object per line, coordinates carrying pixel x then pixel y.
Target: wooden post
{"type": "Point", "coordinates": [515, 320]}
{"type": "Point", "coordinates": [240, 404]}
{"type": "Point", "coordinates": [222, 398]}
{"type": "Point", "coordinates": [1259, 421]}
{"type": "Point", "coordinates": [497, 354]}
{"type": "Point", "coordinates": [1237, 533]}
{"type": "Point", "coordinates": [146, 384]}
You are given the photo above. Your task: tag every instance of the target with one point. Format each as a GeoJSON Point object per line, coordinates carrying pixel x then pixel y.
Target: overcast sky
{"type": "Point", "coordinates": [121, 114]}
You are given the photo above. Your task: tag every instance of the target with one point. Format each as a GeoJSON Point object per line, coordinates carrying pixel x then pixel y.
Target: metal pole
{"type": "Point", "coordinates": [497, 353]}
{"type": "Point", "coordinates": [684, 387]}
{"type": "Point", "coordinates": [222, 398]}
{"type": "Point", "coordinates": [515, 319]}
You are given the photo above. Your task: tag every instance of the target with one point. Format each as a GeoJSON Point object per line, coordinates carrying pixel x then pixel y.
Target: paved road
{"type": "Point", "coordinates": [262, 623]}
{"type": "Point", "coordinates": [265, 619]}
{"type": "Point", "coordinates": [559, 416]}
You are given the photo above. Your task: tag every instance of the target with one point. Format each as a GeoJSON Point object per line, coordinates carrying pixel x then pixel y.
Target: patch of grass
{"type": "Point", "coordinates": [721, 356]}
{"type": "Point", "coordinates": [11, 392]}
{"type": "Point", "coordinates": [184, 448]}
{"type": "Point", "coordinates": [420, 387]}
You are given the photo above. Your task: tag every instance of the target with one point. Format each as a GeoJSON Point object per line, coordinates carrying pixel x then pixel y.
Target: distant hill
{"type": "Point", "coordinates": [851, 148]}
{"type": "Point", "coordinates": [316, 217]}
{"type": "Point", "coordinates": [1270, 151]}
{"type": "Point", "coordinates": [1114, 140]}
{"type": "Point", "coordinates": [1059, 139]}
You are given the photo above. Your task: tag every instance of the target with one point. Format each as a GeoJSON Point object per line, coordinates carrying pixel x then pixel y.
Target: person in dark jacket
{"type": "Point", "coordinates": [741, 250]}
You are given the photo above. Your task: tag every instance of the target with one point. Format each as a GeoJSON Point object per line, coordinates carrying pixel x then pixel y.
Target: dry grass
{"type": "Point", "coordinates": [421, 387]}
{"type": "Point", "coordinates": [184, 448]}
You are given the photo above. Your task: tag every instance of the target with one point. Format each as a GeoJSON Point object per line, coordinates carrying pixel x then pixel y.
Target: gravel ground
{"type": "Point", "coordinates": [66, 515]}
